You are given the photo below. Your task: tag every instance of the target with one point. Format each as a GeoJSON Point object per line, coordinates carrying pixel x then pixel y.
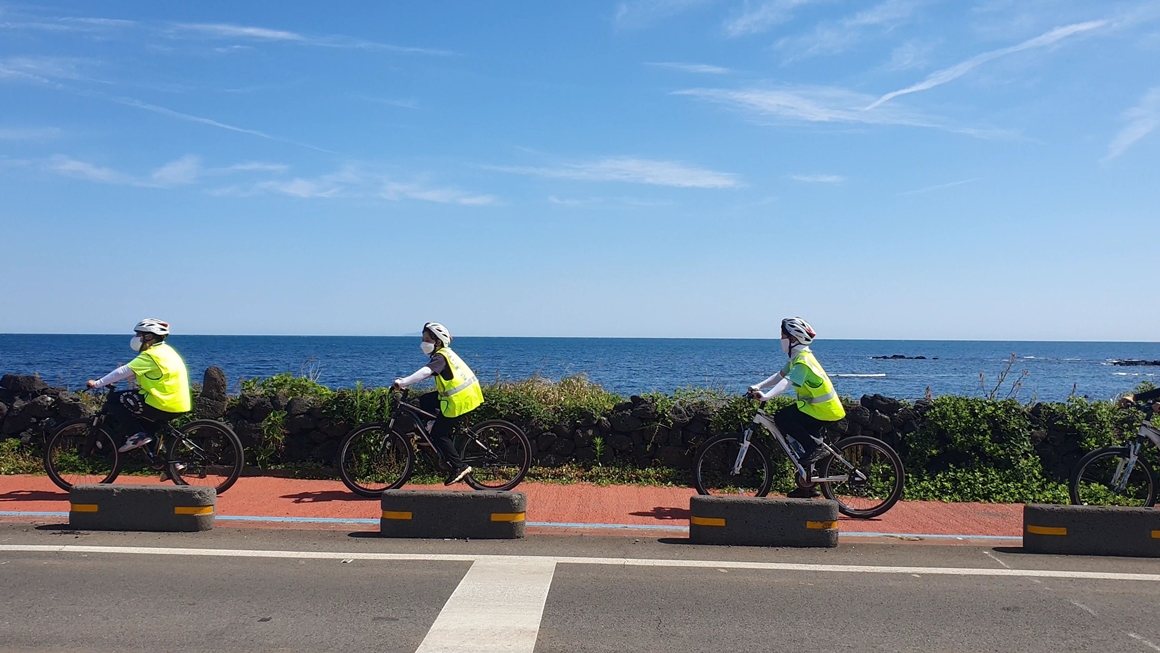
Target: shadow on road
{"type": "Point", "coordinates": [32, 495]}
{"type": "Point", "coordinates": [664, 513]}
{"type": "Point", "coordinates": [323, 496]}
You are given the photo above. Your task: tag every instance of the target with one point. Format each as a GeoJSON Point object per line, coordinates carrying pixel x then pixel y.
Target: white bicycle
{"type": "Point", "coordinates": [1118, 476]}
{"type": "Point", "coordinates": [863, 474]}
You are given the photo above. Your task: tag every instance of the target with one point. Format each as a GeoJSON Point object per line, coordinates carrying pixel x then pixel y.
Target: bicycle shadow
{"type": "Point", "coordinates": [33, 495]}
{"type": "Point", "coordinates": [324, 496]}
{"type": "Point", "coordinates": [664, 513]}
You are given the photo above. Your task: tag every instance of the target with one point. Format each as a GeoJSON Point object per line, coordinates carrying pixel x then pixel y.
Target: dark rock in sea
{"type": "Point", "coordinates": [1132, 362]}
{"type": "Point", "coordinates": [900, 357]}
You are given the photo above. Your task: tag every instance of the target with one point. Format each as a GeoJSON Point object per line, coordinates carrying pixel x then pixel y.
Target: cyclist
{"type": "Point", "coordinates": [817, 404]}
{"type": "Point", "coordinates": [163, 383]}
{"type": "Point", "coordinates": [1150, 395]}
{"type": "Point", "coordinates": [457, 392]}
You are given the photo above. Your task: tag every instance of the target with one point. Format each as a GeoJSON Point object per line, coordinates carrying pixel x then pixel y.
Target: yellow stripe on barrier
{"type": "Point", "coordinates": [706, 521]}
{"type": "Point", "coordinates": [1047, 530]}
{"type": "Point", "coordinates": [82, 507]}
{"type": "Point", "coordinates": [1156, 535]}
{"type": "Point", "coordinates": [193, 510]}
{"type": "Point", "coordinates": [508, 516]}
{"type": "Point", "coordinates": [396, 514]}
{"type": "Point", "coordinates": [821, 525]}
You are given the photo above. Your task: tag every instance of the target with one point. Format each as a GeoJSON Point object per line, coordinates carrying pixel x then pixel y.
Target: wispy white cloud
{"type": "Point", "coordinates": [819, 179]}
{"type": "Point", "coordinates": [700, 68]}
{"type": "Point", "coordinates": [44, 69]}
{"type": "Point", "coordinates": [910, 55]}
{"type": "Point", "coordinates": [642, 13]}
{"type": "Point", "coordinates": [185, 170]}
{"type": "Point", "coordinates": [70, 167]}
{"type": "Point", "coordinates": [755, 18]}
{"type": "Point", "coordinates": [945, 75]}
{"type": "Point", "coordinates": [836, 37]}
{"type": "Point", "coordinates": [825, 104]}
{"type": "Point", "coordinates": [632, 170]}
{"type": "Point", "coordinates": [66, 24]}
{"type": "Point", "coordinates": [929, 189]}
{"type": "Point", "coordinates": [29, 134]}
{"type": "Point", "coordinates": [356, 181]}
{"type": "Point", "coordinates": [253, 166]}
{"type": "Point", "coordinates": [1143, 119]}
{"type": "Point", "coordinates": [265, 34]}
{"type": "Point", "coordinates": [396, 191]}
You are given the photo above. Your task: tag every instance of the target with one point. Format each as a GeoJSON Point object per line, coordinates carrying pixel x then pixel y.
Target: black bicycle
{"type": "Point", "coordinates": [381, 456]}
{"type": "Point", "coordinates": [863, 474]}
{"type": "Point", "coordinates": [203, 452]}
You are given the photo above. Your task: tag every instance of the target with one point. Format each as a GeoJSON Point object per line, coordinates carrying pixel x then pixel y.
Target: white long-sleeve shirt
{"type": "Point", "coordinates": [119, 374]}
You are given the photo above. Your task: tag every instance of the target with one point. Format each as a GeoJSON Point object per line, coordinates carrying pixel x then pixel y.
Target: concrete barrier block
{"type": "Point", "coordinates": [447, 514]}
{"type": "Point", "coordinates": [1091, 530]}
{"type": "Point", "coordinates": [763, 522]}
{"type": "Point", "coordinates": [141, 508]}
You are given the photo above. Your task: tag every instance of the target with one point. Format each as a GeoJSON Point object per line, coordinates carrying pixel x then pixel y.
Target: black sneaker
{"type": "Point", "coordinates": [458, 475]}
{"type": "Point", "coordinates": [804, 493]}
{"type": "Point", "coordinates": [813, 456]}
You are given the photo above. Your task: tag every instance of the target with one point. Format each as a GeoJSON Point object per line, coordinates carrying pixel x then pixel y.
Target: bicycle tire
{"type": "Point", "coordinates": [1093, 475]}
{"type": "Point", "coordinates": [373, 452]}
{"type": "Point", "coordinates": [499, 453]}
{"type": "Point", "coordinates": [208, 454]}
{"type": "Point", "coordinates": [852, 495]}
{"type": "Point", "coordinates": [64, 451]}
{"type": "Point", "coordinates": [713, 468]}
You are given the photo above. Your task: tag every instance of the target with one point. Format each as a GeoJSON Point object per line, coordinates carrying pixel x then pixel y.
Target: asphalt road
{"type": "Point", "coordinates": [279, 590]}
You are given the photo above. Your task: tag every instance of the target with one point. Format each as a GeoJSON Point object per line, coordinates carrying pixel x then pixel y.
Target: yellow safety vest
{"type": "Point", "coordinates": [817, 397]}
{"type": "Point", "coordinates": [167, 387]}
{"type": "Point", "coordinates": [462, 393]}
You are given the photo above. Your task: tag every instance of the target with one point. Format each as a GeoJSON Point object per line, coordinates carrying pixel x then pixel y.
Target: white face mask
{"type": "Point", "coordinates": [785, 345]}
{"type": "Point", "coordinates": [135, 343]}
{"type": "Point", "coordinates": [427, 347]}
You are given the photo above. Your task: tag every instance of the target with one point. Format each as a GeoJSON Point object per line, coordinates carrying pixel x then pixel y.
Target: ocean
{"type": "Point", "coordinates": [1055, 370]}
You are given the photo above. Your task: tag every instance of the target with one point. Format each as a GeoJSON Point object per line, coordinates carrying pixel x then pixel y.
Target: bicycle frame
{"type": "Point", "coordinates": [421, 416]}
{"type": "Point", "coordinates": [766, 421]}
{"type": "Point", "coordinates": [1147, 433]}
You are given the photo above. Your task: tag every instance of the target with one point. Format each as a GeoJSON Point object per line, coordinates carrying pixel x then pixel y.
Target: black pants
{"type": "Point", "coordinates": [133, 415]}
{"type": "Point", "coordinates": [442, 430]}
{"type": "Point", "coordinates": [801, 427]}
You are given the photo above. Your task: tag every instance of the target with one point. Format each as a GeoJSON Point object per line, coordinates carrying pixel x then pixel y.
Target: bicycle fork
{"type": "Point", "coordinates": [742, 451]}
{"type": "Point", "coordinates": [1124, 469]}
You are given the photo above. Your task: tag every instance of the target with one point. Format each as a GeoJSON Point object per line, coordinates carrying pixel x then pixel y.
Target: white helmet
{"type": "Point", "coordinates": [799, 329]}
{"type": "Point", "coordinates": [439, 331]}
{"type": "Point", "coordinates": [152, 325]}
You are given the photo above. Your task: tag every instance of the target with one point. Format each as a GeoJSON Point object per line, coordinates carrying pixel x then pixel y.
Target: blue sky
{"type": "Point", "coordinates": [894, 169]}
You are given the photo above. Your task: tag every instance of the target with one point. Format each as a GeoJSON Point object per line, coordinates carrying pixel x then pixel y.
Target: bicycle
{"type": "Point", "coordinates": [203, 452]}
{"type": "Point", "coordinates": [863, 474]}
{"type": "Point", "coordinates": [1118, 476]}
{"type": "Point", "coordinates": [377, 457]}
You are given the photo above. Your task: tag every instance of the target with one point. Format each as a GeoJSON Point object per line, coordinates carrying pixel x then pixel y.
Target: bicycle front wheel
{"type": "Point", "coordinates": [499, 454]}
{"type": "Point", "coordinates": [713, 468]}
{"type": "Point", "coordinates": [1102, 478]}
{"type": "Point", "coordinates": [79, 453]}
{"type": "Point", "coordinates": [373, 459]}
{"type": "Point", "coordinates": [873, 477]}
{"type": "Point", "coordinates": [206, 453]}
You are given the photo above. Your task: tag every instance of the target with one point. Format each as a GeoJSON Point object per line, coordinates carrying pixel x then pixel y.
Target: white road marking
{"type": "Point", "coordinates": [621, 562]}
{"type": "Point", "coordinates": [993, 557]}
{"type": "Point", "coordinates": [496, 607]}
{"type": "Point", "coordinates": [1144, 641]}
{"type": "Point", "coordinates": [1084, 608]}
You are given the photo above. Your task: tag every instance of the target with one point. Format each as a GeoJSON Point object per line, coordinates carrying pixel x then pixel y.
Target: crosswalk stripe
{"type": "Point", "coordinates": [496, 607]}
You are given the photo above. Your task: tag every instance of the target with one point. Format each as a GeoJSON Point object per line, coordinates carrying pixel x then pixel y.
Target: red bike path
{"type": "Point", "coordinates": [578, 508]}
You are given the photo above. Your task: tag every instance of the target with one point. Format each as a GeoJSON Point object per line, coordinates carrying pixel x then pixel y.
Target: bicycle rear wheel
{"type": "Point", "coordinates": [373, 459]}
{"type": "Point", "coordinates": [78, 453]}
{"type": "Point", "coordinates": [499, 454]}
{"type": "Point", "coordinates": [874, 477]}
{"type": "Point", "coordinates": [1100, 480]}
{"type": "Point", "coordinates": [713, 468]}
{"type": "Point", "coordinates": [206, 453]}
